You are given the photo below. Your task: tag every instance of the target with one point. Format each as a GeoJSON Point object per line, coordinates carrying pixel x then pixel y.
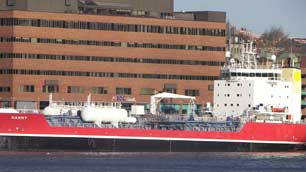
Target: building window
{"type": "Point", "coordinates": [108, 59]}
{"type": "Point", "coordinates": [147, 91]}
{"type": "Point", "coordinates": [5, 89]}
{"type": "Point", "coordinates": [10, 2]}
{"type": "Point", "coordinates": [27, 88]}
{"type": "Point", "coordinates": [99, 90]}
{"type": "Point", "coordinates": [170, 88]}
{"type": "Point", "coordinates": [192, 92]}
{"type": "Point", "coordinates": [60, 24]}
{"type": "Point", "coordinates": [130, 27]}
{"type": "Point", "coordinates": [68, 2]}
{"type": "Point", "coordinates": [108, 75]}
{"type": "Point", "coordinates": [50, 88]}
{"type": "Point", "coordinates": [123, 91]}
{"type": "Point", "coordinates": [75, 89]}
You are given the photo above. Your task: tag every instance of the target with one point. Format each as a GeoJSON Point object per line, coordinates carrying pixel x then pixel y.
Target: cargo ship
{"type": "Point", "coordinates": [254, 109]}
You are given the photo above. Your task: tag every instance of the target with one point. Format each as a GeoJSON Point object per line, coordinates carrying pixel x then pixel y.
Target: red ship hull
{"type": "Point", "coordinates": [32, 131]}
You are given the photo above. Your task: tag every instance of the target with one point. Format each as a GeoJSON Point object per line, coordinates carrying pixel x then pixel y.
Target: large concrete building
{"type": "Point", "coordinates": [111, 57]}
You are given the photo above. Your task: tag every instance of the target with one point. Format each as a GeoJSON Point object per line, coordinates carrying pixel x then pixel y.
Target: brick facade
{"type": "Point", "coordinates": [136, 84]}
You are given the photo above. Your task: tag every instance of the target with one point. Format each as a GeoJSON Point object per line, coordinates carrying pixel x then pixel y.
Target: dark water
{"type": "Point", "coordinates": [152, 162]}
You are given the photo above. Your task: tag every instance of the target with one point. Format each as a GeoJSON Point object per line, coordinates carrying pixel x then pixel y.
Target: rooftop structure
{"type": "Point", "coordinates": [148, 8]}
{"type": "Point", "coordinates": [136, 8]}
{"type": "Point", "coordinates": [64, 6]}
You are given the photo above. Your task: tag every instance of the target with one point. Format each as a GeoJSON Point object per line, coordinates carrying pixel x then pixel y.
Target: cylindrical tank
{"type": "Point", "coordinates": [54, 110]}
{"type": "Point", "coordinates": [8, 110]}
{"type": "Point", "coordinates": [50, 111]}
{"type": "Point", "coordinates": [106, 114]}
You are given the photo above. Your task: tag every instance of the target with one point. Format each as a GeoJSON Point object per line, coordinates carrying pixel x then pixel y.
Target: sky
{"type": "Point", "coordinates": [256, 15]}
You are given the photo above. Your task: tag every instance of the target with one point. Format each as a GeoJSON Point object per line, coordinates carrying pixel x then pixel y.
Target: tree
{"type": "Point", "coordinates": [274, 37]}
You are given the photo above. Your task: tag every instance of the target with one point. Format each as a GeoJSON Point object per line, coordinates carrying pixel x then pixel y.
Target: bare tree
{"type": "Point", "coordinates": [274, 37]}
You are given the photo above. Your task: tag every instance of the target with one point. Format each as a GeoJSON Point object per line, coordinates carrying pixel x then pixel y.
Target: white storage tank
{"type": "Point", "coordinates": [53, 110]}
{"type": "Point", "coordinates": [106, 114]}
{"type": "Point", "coordinates": [8, 110]}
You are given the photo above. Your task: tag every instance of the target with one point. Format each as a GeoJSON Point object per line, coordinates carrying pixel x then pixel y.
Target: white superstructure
{"type": "Point", "coordinates": [244, 87]}
{"type": "Point", "coordinates": [233, 97]}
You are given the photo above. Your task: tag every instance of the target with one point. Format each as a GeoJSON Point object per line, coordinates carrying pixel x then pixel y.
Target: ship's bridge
{"type": "Point", "coordinates": [250, 74]}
